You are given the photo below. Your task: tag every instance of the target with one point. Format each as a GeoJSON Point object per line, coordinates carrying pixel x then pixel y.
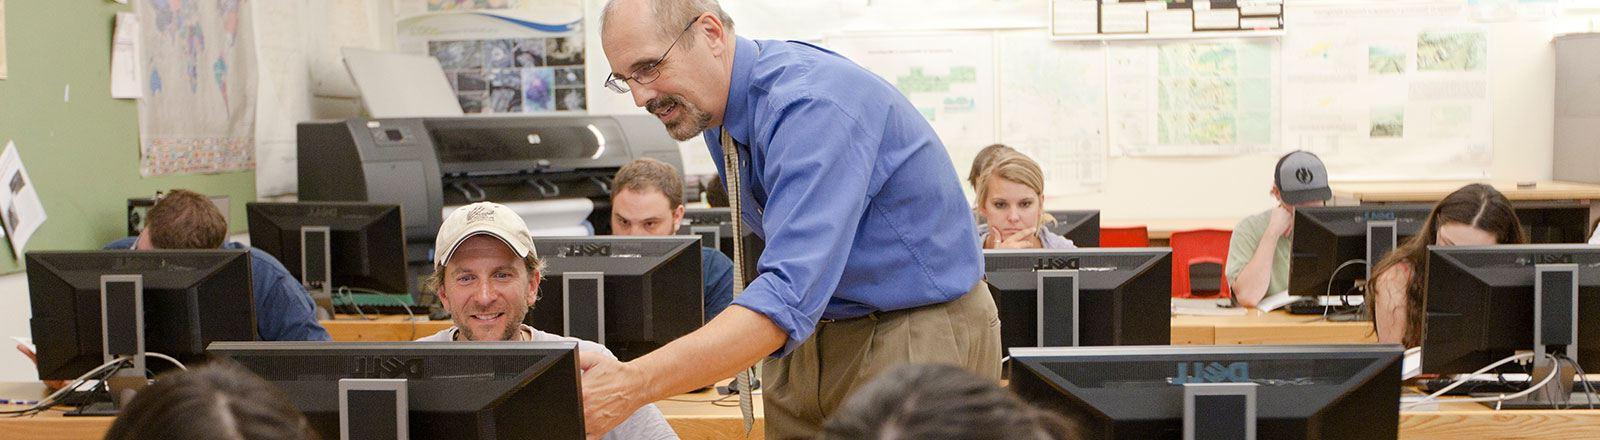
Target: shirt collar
{"type": "Point", "coordinates": [735, 115]}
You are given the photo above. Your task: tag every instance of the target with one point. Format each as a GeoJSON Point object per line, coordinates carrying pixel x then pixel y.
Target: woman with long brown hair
{"type": "Point", "coordinates": [1474, 215]}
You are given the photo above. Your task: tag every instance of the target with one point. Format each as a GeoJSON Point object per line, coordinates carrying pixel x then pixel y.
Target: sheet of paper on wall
{"type": "Point", "coordinates": [125, 57]}
{"type": "Point", "coordinates": [1052, 107]}
{"type": "Point", "coordinates": [1384, 91]}
{"type": "Point", "coordinates": [20, 208]}
{"type": "Point", "coordinates": [1210, 98]}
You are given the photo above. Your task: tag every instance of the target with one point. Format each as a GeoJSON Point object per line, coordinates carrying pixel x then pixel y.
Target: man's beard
{"type": "Point", "coordinates": [690, 121]}
{"type": "Point", "coordinates": [513, 325]}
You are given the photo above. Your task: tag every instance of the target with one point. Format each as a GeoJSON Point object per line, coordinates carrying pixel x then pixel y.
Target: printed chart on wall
{"type": "Point", "coordinates": [1389, 91]}
{"type": "Point", "coordinates": [502, 56]}
{"type": "Point", "coordinates": [948, 77]}
{"type": "Point", "coordinates": [1052, 107]}
{"type": "Point", "coordinates": [1206, 98]}
{"type": "Point", "coordinates": [200, 77]}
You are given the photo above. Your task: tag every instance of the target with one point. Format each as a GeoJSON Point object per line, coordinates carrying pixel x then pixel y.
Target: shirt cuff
{"type": "Point", "coordinates": [774, 301]}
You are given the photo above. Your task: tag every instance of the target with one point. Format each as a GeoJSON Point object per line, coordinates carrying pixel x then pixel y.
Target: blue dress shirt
{"type": "Point", "coordinates": [284, 311]}
{"type": "Point", "coordinates": [716, 274]}
{"type": "Point", "coordinates": [854, 193]}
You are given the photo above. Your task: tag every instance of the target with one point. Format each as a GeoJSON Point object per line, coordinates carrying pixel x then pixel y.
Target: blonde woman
{"type": "Point", "coordinates": [1011, 202]}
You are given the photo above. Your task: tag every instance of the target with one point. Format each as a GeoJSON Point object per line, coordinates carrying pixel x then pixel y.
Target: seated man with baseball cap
{"type": "Point", "coordinates": [486, 273]}
{"type": "Point", "coordinates": [1258, 253]}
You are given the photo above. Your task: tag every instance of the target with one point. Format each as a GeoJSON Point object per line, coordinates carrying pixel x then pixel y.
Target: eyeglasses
{"type": "Point", "coordinates": [645, 75]}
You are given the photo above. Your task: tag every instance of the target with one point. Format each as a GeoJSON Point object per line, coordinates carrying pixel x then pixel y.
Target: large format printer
{"type": "Point", "coordinates": [426, 164]}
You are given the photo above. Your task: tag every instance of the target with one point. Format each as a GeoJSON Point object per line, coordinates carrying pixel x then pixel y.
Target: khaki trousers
{"type": "Point", "coordinates": [802, 389]}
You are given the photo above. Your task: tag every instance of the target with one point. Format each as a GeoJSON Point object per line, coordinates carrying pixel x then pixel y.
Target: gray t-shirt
{"type": "Point", "coordinates": [645, 424]}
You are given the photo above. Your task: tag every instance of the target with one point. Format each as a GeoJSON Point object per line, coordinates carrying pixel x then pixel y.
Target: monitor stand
{"type": "Point", "coordinates": [1225, 411]}
{"type": "Point", "coordinates": [373, 409]}
{"type": "Point", "coordinates": [1057, 297]}
{"type": "Point", "coordinates": [583, 306]}
{"type": "Point", "coordinates": [122, 334]}
{"type": "Point", "coordinates": [316, 273]}
{"type": "Point", "coordinates": [1555, 331]}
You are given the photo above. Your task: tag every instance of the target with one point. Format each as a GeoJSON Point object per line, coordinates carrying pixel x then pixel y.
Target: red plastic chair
{"type": "Point", "coordinates": [1132, 236]}
{"type": "Point", "coordinates": [1198, 258]}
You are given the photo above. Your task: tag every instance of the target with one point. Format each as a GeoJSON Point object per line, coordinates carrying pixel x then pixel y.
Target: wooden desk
{"type": "Point", "coordinates": [1161, 229]}
{"type": "Point", "coordinates": [1257, 328]}
{"type": "Point", "coordinates": [1277, 327]}
{"type": "Point", "coordinates": [694, 418]}
{"type": "Point", "coordinates": [351, 328]}
{"type": "Point", "coordinates": [1433, 191]}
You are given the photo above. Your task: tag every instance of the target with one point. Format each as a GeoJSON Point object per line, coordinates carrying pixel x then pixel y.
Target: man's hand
{"type": "Point", "coordinates": [1280, 223]}
{"type": "Point", "coordinates": [52, 384]}
{"type": "Point", "coordinates": [612, 391]}
{"type": "Point", "coordinates": [1019, 240]}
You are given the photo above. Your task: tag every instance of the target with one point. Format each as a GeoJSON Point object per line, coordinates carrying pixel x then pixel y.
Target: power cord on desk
{"type": "Point", "coordinates": [1500, 398]}
{"type": "Point", "coordinates": [1583, 378]}
{"type": "Point", "coordinates": [100, 374]}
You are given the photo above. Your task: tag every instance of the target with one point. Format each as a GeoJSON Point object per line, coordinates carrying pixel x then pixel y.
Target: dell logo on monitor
{"type": "Point", "coordinates": [1211, 372]}
{"type": "Point", "coordinates": [585, 250]}
{"type": "Point", "coordinates": [377, 367]}
{"type": "Point", "coordinates": [1055, 263]}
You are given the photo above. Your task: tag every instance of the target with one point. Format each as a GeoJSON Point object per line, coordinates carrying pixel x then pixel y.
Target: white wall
{"type": "Point", "coordinates": [14, 314]}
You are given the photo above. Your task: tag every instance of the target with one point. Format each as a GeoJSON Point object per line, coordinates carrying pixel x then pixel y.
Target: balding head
{"type": "Point", "coordinates": [675, 57]}
{"type": "Point", "coordinates": [668, 16]}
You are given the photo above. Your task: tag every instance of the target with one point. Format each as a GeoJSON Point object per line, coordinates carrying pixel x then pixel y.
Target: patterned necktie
{"type": "Point", "coordinates": [730, 162]}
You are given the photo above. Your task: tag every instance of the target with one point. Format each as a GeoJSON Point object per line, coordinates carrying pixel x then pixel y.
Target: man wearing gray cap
{"type": "Point", "coordinates": [486, 274]}
{"type": "Point", "coordinates": [1258, 253]}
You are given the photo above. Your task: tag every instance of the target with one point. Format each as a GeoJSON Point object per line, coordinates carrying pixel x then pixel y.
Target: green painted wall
{"type": "Point", "coordinates": [83, 153]}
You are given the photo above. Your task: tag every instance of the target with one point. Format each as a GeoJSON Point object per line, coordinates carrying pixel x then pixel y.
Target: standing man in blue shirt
{"type": "Point", "coordinates": [871, 259]}
{"type": "Point", "coordinates": [184, 219]}
{"type": "Point", "coordinates": [643, 204]}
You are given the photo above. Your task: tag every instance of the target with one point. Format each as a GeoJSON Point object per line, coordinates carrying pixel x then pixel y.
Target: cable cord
{"type": "Point", "coordinates": [51, 400]}
{"type": "Point", "coordinates": [1500, 398]}
{"type": "Point", "coordinates": [1327, 292]}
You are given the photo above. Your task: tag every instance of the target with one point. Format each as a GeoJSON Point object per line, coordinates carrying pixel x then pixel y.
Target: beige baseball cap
{"type": "Point", "coordinates": [487, 218]}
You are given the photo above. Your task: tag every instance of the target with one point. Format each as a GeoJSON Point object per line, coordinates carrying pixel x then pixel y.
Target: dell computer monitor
{"type": "Point", "coordinates": [1553, 221]}
{"type": "Point", "coordinates": [715, 228]}
{"type": "Point", "coordinates": [1082, 227]}
{"type": "Point", "coordinates": [364, 243]}
{"type": "Point", "coordinates": [1299, 392]}
{"type": "Point", "coordinates": [1480, 303]}
{"type": "Point", "coordinates": [1124, 296]}
{"type": "Point", "coordinates": [190, 298]}
{"type": "Point", "coordinates": [455, 390]}
{"type": "Point", "coordinates": [632, 294]}
{"type": "Point", "coordinates": [1326, 238]}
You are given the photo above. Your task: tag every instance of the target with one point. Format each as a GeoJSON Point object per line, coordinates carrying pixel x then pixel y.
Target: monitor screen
{"type": "Point", "coordinates": [700, 221]}
{"type": "Point", "coordinates": [1480, 303]}
{"type": "Point", "coordinates": [366, 241]}
{"type": "Point", "coordinates": [1325, 238]}
{"type": "Point", "coordinates": [1326, 392]}
{"type": "Point", "coordinates": [1124, 294]}
{"type": "Point", "coordinates": [1082, 227]}
{"type": "Point", "coordinates": [456, 390]}
{"type": "Point", "coordinates": [651, 290]}
{"type": "Point", "coordinates": [191, 298]}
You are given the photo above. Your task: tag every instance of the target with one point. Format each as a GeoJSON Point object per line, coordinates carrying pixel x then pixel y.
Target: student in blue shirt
{"type": "Point", "coordinates": [872, 257]}
{"type": "Point", "coordinates": [641, 204]}
{"type": "Point", "coordinates": [185, 219]}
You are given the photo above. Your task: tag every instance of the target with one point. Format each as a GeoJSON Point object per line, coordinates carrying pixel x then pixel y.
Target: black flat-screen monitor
{"type": "Point", "coordinates": [191, 298]}
{"type": "Point", "coordinates": [1553, 222]}
{"type": "Point", "coordinates": [1124, 296]}
{"type": "Point", "coordinates": [1325, 238]}
{"type": "Point", "coordinates": [650, 290]}
{"type": "Point", "coordinates": [1301, 392]}
{"type": "Point", "coordinates": [365, 243]}
{"type": "Point", "coordinates": [1082, 227]}
{"type": "Point", "coordinates": [1480, 303]}
{"type": "Point", "coordinates": [715, 228]}
{"type": "Point", "coordinates": [455, 390]}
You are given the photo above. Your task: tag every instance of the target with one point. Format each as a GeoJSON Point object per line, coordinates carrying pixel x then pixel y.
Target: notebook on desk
{"type": "Point", "coordinates": [1205, 307]}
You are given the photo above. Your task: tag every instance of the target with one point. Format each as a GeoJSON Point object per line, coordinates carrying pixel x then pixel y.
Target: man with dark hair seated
{"type": "Point", "coordinates": [184, 219]}
{"type": "Point", "coordinates": [938, 401]}
{"type": "Point", "coordinates": [217, 401]}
